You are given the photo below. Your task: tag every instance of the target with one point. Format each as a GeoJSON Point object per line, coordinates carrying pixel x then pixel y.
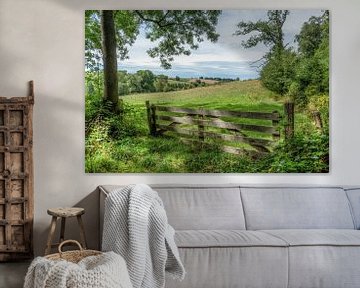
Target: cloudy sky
{"type": "Point", "coordinates": [225, 58]}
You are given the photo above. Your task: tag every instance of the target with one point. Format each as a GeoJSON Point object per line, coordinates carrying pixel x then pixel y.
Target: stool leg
{"type": "Point", "coordinates": [62, 230]}
{"type": "Point", "coordinates": [51, 235]}
{"type": "Point", "coordinates": [82, 232]}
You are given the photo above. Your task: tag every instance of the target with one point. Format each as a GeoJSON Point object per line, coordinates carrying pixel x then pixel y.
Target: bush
{"type": "Point", "coordinates": [320, 103]}
{"type": "Point", "coordinates": [99, 113]}
{"type": "Point", "coordinates": [96, 110]}
{"type": "Point", "coordinates": [301, 154]}
{"type": "Point", "coordinates": [278, 72]}
{"type": "Point", "coordinates": [128, 123]}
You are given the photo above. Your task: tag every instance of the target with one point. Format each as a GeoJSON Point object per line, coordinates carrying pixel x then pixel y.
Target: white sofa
{"type": "Point", "coordinates": [263, 237]}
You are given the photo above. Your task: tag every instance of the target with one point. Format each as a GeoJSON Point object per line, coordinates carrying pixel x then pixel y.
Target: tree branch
{"type": "Point", "coordinates": [159, 22]}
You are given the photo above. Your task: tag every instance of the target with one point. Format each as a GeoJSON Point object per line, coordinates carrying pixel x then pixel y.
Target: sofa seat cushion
{"type": "Point", "coordinates": [225, 238]}
{"type": "Point", "coordinates": [317, 237]}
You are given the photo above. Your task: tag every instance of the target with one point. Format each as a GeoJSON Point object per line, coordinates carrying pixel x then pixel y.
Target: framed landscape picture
{"type": "Point", "coordinates": [207, 91]}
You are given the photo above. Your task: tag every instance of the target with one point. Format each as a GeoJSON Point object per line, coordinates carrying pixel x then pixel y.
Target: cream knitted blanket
{"type": "Point", "coordinates": [103, 271]}
{"type": "Point", "coordinates": [136, 227]}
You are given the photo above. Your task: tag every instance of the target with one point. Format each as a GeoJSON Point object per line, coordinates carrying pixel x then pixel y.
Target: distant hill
{"type": "Point", "coordinates": [207, 81]}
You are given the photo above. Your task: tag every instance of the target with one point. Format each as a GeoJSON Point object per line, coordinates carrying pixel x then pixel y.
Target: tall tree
{"type": "Point", "coordinates": [268, 32]}
{"type": "Point", "coordinates": [313, 33]}
{"type": "Point", "coordinates": [312, 69]}
{"type": "Point", "coordinates": [175, 32]}
{"type": "Point", "coordinates": [109, 57]}
{"type": "Point", "coordinates": [277, 64]}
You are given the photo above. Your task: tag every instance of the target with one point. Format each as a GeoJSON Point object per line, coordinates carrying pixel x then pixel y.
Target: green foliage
{"type": "Point", "coordinates": [277, 69]}
{"type": "Point", "coordinates": [313, 33]}
{"type": "Point", "coordinates": [296, 75]}
{"type": "Point", "coordinates": [144, 81]}
{"type": "Point", "coordinates": [99, 116]}
{"type": "Point", "coordinates": [123, 144]}
{"type": "Point", "coordinates": [120, 142]}
{"type": "Point", "coordinates": [161, 83]}
{"type": "Point", "coordinates": [320, 103]}
{"type": "Point", "coordinates": [98, 149]}
{"type": "Point", "coordinates": [127, 29]}
{"type": "Point", "coordinates": [175, 32]}
{"type": "Point", "coordinates": [94, 83]}
{"type": "Point", "coordinates": [147, 80]}
{"type": "Point", "coordinates": [312, 69]}
{"type": "Point", "coordinates": [93, 55]}
{"type": "Point", "coordinates": [268, 32]}
{"type": "Point", "coordinates": [305, 153]}
{"type": "Point", "coordinates": [140, 82]}
{"type": "Point", "coordinates": [277, 73]}
{"type": "Point", "coordinates": [96, 109]}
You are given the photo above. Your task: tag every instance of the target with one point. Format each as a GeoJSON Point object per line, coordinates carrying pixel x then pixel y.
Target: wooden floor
{"type": "Point", "coordinates": [12, 274]}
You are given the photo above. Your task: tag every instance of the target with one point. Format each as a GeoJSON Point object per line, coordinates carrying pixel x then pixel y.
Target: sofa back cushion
{"type": "Point", "coordinates": [296, 208]}
{"type": "Point", "coordinates": [354, 198]}
{"type": "Point", "coordinates": [203, 208]}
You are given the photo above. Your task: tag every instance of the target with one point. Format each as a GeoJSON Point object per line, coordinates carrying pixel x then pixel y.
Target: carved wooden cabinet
{"type": "Point", "coordinates": [16, 177]}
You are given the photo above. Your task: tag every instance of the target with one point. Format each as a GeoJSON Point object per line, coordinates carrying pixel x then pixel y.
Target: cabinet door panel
{"type": "Point", "coordinates": [16, 183]}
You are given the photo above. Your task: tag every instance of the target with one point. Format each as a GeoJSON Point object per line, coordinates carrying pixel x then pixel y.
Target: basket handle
{"type": "Point", "coordinates": [69, 241]}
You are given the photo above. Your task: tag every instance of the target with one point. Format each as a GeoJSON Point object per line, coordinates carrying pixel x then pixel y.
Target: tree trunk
{"type": "Point", "coordinates": [109, 57]}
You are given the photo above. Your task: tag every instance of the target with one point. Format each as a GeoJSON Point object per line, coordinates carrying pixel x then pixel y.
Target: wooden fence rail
{"type": "Point", "coordinates": [196, 125]}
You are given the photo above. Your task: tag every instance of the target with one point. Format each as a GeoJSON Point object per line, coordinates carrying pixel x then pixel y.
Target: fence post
{"type": "Point", "coordinates": [318, 121]}
{"type": "Point", "coordinates": [201, 128]}
{"type": "Point", "coordinates": [275, 124]}
{"type": "Point", "coordinates": [153, 119]}
{"type": "Point", "coordinates": [289, 119]}
{"type": "Point", "coordinates": [150, 118]}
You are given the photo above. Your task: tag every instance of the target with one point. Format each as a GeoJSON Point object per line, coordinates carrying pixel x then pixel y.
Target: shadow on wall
{"type": "Point", "coordinates": [91, 217]}
{"type": "Point", "coordinates": [57, 148]}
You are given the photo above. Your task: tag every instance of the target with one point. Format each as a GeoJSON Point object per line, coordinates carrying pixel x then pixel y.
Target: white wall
{"type": "Point", "coordinates": [43, 40]}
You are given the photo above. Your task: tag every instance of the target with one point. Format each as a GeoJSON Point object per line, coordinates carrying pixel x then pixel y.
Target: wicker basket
{"type": "Point", "coordinates": [72, 256]}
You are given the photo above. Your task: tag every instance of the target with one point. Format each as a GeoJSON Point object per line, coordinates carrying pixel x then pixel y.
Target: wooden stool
{"type": "Point", "coordinates": [64, 213]}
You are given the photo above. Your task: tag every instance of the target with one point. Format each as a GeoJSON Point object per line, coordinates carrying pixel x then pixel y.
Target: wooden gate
{"type": "Point", "coordinates": [16, 177]}
{"type": "Point", "coordinates": [197, 125]}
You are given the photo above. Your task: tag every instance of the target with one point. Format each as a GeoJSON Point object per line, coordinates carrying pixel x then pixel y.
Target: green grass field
{"type": "Point", "coordinates": [130, 148]}
{"type": "Point", "coordinates": [246, 95]}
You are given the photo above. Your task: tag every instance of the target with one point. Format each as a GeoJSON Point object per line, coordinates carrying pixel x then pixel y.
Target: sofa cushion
{"type": "Point", "coordinates": [226, 238]}
{"type": "Point", "coordinates": [191, 207]}
{"type": "Point", "coordinates": [324, 266]}
{"type": "Point", "coordinates": [296, 208]}
{"type": "Point", "coordinates": [315, 237]}
{"type": "Point", "coordinates": [322, 258]}
{"type": "Point", "coordinates": [204, 208]}
{"type": "Point", "coordinates": [354, 198]}
{"type": "Point", "coordinates": [225, 267]}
